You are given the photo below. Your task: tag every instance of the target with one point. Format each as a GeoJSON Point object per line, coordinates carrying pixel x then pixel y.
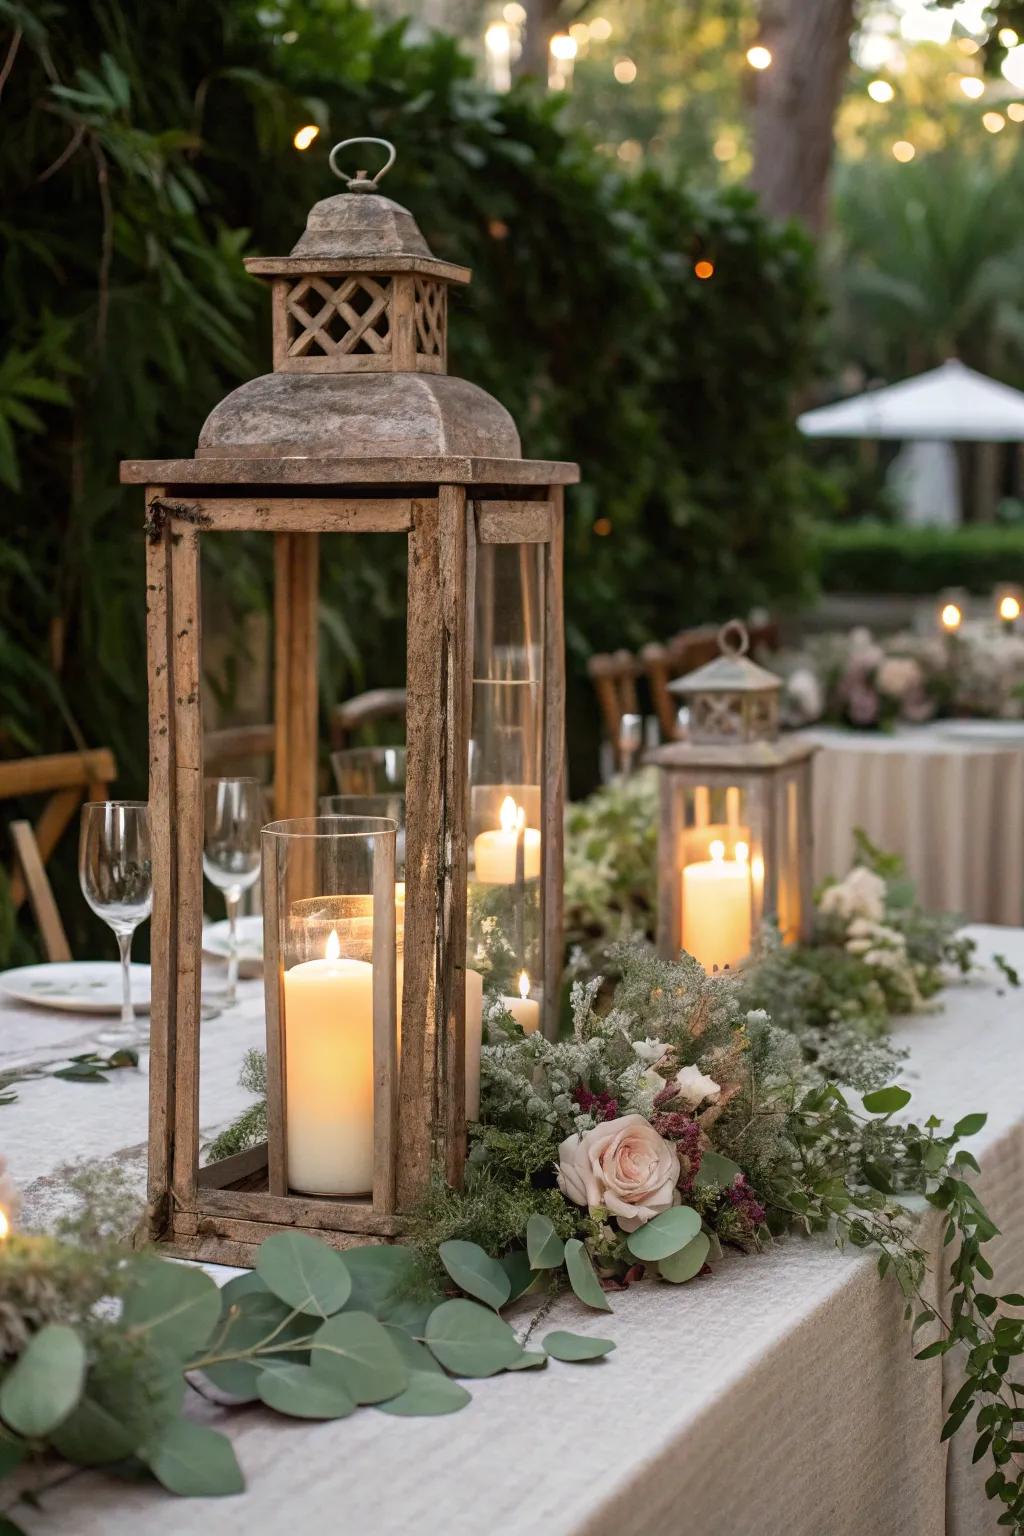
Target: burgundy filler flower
{"type": "Point", "coordinates": [601, 1105]}
{"type": "Point", "coordinates": [744, 1199]}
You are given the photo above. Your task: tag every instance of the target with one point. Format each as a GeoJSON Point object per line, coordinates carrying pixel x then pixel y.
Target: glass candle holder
{"type": "Point", "coordinates": [391, 807]}
{"type": "Point", "coordinates": [332, 1034]}
{"type": "Point", "coordinates": [505, 774]}
{"type": "Point", "coordinates": [369, 770]}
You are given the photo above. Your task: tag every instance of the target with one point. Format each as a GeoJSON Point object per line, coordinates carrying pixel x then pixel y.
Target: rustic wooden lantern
{"type": "Point", "coordinates": [734, 842]}
{"type": "Point", "coordinates": [360, 429]}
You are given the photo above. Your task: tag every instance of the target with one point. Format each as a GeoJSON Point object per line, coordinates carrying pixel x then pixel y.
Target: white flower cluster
{"type": "Point", "coordinates": [860, 895]}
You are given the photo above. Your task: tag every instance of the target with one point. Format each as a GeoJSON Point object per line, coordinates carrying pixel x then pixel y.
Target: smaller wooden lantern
{"type": "Point", "coordinates": [734, 843]}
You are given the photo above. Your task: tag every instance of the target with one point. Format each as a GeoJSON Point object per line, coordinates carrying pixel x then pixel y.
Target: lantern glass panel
{"type": "Point", "coordinates": [330, 961]}
{"type": "Point", "coordinates": [505, 771]}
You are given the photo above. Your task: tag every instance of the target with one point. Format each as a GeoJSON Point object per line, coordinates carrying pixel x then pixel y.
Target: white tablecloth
{"type": "Point", "coordinates": [953, 809]}
{"type": "Point", "coordinates": [778, 1396]}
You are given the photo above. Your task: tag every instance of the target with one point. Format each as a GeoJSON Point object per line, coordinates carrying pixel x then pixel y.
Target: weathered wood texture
{"type": "Point", "coordinates": [432, 1080]}
{"type": "Point", "coordinates": [385, 1027]}
{"type": "Point", "coordinates": [91, 771]}
{"type": "Point", "coordinates": [294, 514]}
{"type": "Point", "coordinates": [236, 468]}
{"type": "Point", "coordinates": [514, 522]}
{"type": "Point", "coordinates": [554, 761]}
{"type": "Point", "coordinates": [296, 591]}
{"type": "Point", "coordinates": [163, 926]}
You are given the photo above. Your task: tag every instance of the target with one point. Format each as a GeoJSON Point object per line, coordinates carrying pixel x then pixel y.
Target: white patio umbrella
{"type": "Point", "coordinates": [949, 404]}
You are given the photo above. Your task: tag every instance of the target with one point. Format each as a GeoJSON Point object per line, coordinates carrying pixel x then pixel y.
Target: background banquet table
{"type": "Point", "coordinates": [778, 1394]}
{"type": "Point", "coordinates": [952, 807]}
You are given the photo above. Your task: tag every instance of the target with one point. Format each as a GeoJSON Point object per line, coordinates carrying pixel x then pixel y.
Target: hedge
{"type": "Point", "coordinates": [889, 558]}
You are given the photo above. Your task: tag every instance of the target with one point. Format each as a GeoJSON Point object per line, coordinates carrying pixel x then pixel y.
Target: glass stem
{"type": "Point", "coordinates": [232, 901]}
{"type": "Point", "coordinates": [124, 944]}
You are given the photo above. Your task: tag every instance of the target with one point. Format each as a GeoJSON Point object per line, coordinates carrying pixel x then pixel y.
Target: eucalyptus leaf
{"type": "Point", "coordinates": [302, 1393]}
{"type": "Point", "coordinates": [886, 1101]}
{"type": "Point", "coordinates": [193, 1461]}
{"type": "Point", "coordinates": [428, 1393]}
{"type": "Point", "coordinates": [378, 1273]}
{"type": "Point", "coordinates": [520, 1275]}
{"type": "Point", "coordinates": [717, 1171]}
{"type": "Point", "coordinates": [305, 1273]}
{"type": "Point", "coordinates": [175, 1307]}
{"type": "Point", "coordinates": [45, 1382]}
{"type": "Point", "coordinates": [415, 1356]}
{"type": "Point", "coordinates": [689, 1261]}
{"type": "Point", "coordinates": [544, 1247]}
{"type": "Point", "coordinates": [664, 1234]}
{"type": "Point", "coordinates": [475, 1272]}
{"type": "Point", "coordinates": [529, 1360]}
{"type": "Point", "coordinates": [254, 1318]}
{"type": "Point", "coordinates": [582, 1277]}
{"type": "Point", "coordinates": [576, 1346]}
{"type": "Point", "coordinates": [470, 1340]}
{"type": "Point", "coordinates": [128, 1398]}
{"type": "Point", "coordinates": [357, 1350]}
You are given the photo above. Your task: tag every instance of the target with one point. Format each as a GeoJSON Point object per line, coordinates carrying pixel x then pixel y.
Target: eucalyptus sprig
{"type": "Point", "coordinates": [89, 1067]}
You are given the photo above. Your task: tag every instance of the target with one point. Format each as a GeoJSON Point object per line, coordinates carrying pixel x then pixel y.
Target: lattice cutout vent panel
{"type": "Point", "coordinates": [339, 317]}
{"type": "Point", "coordinates": [431, 311]}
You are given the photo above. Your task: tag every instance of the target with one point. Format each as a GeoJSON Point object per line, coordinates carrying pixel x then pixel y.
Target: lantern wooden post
{"type": "Point", "coordinates": [358, 430]}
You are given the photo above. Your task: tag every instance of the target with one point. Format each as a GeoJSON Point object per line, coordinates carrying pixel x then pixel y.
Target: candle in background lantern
{"type": "Point", "coordinates": [716, 908]}
{"type": "Point", "coordinates": [5, 1225]}
{"type": "Point", "coordinates": [498, 853]}
{"type": "Point", "coordinates": [524, 1009]}
{"type": "Point", "coordinates": [328, 1007]}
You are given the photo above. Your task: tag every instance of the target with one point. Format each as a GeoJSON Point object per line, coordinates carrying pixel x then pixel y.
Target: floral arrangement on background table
{"type": "Point", "coordinates": [682, 1114]}
{"type": "Point", "coordinates": [872, 683]}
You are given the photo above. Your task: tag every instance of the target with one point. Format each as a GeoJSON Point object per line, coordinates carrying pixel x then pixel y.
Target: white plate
{"type": "Point", "coordinates": [77, 986]}
{"type": "Point", "coordinates": [994, 733]}
{"type": "Point", "coordinates": [250, 944]}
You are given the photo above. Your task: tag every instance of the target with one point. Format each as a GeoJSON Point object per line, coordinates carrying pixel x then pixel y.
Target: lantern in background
{"type": "Point", "coordinates": [360, 429]}
{"type": "Point", "coordinates": [734, 843]}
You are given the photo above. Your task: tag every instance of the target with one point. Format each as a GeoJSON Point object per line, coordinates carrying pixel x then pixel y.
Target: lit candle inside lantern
{"type": "Point", "coordinates": [499, 854]}
{"type": "Point", "coordinates": [951, 617]}
{"type": "Point", "coordinates": [328, 1015]}
{"type": "Point", "coordinates": [5, 1225]}
{"type": "Point", "coordinates": [524, 1008]}
{"type": "Point", "coordinates": [716, 907]}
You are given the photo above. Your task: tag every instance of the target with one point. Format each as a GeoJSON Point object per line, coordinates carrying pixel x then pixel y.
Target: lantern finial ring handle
{"type": "Point", "coordinates": [733, 639]}
{"type": "Point", "coordinates": [360, 182]}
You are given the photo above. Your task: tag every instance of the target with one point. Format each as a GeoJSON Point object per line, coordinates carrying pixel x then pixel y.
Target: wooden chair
{"type": "Point", "coordinates": [614, 677]}
{"type": "Point", "coordinates": [69, 779]}
{"type": "Point", "coordinates": [225, 750]}
{"type": "Point", "coordinates": [365, 709]}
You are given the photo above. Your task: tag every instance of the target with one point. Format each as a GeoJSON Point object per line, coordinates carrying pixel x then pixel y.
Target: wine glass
{"type": "Point", "coordinates": [231, 852]}
{"type": "Point", "coordinates": [115, 870]}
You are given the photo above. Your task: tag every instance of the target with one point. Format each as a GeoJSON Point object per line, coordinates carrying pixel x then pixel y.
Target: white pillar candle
{"type": "Point", "coordinates": [716, 908]}
{"type": "Point", "coordinates": [328, 1019]}
{"type": "Point", "coordinates": [497, 853]}
{"type": "Point", "coordinates": [524, 1008]}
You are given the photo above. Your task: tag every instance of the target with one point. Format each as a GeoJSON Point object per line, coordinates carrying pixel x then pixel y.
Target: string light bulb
{"type": "Point", "coordinates": [704, 269]}
{"type": "Point", "coordinates": [972, 87]}
{"type": "Point", "coordinates": [759, 57]}
{"type": "Point", "coordinates": [903, 151]}
{"type": "Point", "coordinates": [624, 71]}
{"type": "Point", "coordinates": [304, 136]}
{"type": "Point", "coordinates": [993, 122]}
{"type": "Point", "coordinates": [880, 90]}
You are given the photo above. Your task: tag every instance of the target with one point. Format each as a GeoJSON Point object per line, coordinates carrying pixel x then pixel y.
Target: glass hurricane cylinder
{"type": "Point", "coordinates": [332, 1039]}
{"type": "Point", "coordinates": [505, 911]}
{"type": "Point", "coordinates": [369, 770]}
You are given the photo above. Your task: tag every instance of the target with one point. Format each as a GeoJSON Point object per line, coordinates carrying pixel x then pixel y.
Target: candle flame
{"type": "Point", "coordinates": [717, 850]}
{"type": "Point", "coordinates": [742, 853]}
{"type": "Point", "coordinates": [5, 1225]}
{"type": "Point", "coordinates": [332, 950]}
{"type": "Point", "coordinates": [951, 616]}
{"type": "Point", "coordinates": [1009, 608]}
{"type": "Point", "coordinates": [524, 985]}
{"type": "Point", "coordinates": [511, 815]}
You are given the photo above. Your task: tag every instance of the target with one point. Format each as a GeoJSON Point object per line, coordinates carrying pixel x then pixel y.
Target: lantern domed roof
{"type": "Point", "coordinates": [360, 323]}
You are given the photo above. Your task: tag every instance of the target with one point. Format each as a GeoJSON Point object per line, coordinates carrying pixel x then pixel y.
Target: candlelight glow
{"type": "Point", "coordinates": [563, 47]}
{"type": "Point", "coordinates": [305, 136]}
{"type": "Point", "coordinates": [5, 1225]}
{"type": "Point", "coordinates": [511, 816]}
{"type": "Point", "coordinates": [1009, 608]}
{"type": "Point", "coordinates": [742, 853]}
{"type": "Point", "coordinates": [332, 950]}
{"type": "Point", "coordinates": [880, 90]}
{"type": "Point", "coordinates": [951, 616]}
{"type": "Point", "coordinates": [972, 87]}
{"type": "Point", "coordinates": [717, 850]}
{"type": "Point", "coordinates": [759, 57]}
{"type": "Point", "coordinates": [524, 985]}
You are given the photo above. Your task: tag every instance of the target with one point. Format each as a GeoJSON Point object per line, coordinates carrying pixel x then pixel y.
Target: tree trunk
{"type": "Point", "coordinates": [795, 104]}
{"type": "Point", "coordinates": [541, 24]}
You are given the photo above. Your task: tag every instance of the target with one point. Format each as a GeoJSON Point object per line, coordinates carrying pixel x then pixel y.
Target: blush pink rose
{"type": "Point", "coordinates": [622, 1165]}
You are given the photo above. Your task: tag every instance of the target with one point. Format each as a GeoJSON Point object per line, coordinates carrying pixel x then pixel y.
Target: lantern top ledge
{"type": "Point", "coordinates": [360, 393]}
